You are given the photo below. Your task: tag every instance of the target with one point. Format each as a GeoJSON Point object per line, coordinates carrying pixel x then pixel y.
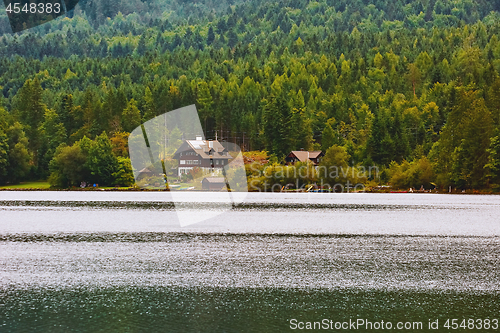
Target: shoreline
{"type": "Point", "coordinates": [131, 189]}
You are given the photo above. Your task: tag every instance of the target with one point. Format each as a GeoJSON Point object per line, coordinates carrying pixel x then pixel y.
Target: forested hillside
{"type": "Point", "coordinates": [410, 86]}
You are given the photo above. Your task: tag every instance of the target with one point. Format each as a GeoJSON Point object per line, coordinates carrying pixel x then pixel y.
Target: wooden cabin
{"type": "Point", "coordinates": [213, 183]}
{"type": "Point", "coordinates": [205, 154]}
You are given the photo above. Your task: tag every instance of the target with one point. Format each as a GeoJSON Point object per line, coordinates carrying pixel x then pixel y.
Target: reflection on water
{"type": "Point", "coordinates": [134, 309]}
{"type": "Point", "coordinates": [120, 262]}
{"type": "Point", "coordinates": [250, 261]}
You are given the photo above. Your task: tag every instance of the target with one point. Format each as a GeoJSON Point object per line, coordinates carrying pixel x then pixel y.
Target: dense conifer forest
{"type": "Point", "coordinates": [411, 86]}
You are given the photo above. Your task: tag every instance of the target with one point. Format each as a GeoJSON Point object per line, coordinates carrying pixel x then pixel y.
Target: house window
{"type": "Point", "coordinates": [217, 162]}
{"type": "Point", "coordinates": [182, 162]}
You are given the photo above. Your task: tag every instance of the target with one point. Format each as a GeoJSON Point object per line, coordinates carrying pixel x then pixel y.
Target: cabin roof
{"type": "Point", "coordinates": [304, 156]}
{"type": "Point", "coordinates": [203, 149]}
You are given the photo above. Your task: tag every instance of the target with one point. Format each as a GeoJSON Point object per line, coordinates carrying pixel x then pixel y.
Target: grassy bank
{"type": "Point", "coordinates": [36, 185]}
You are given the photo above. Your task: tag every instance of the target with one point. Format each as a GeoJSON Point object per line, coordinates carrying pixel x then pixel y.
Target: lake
{"type": "Point", "coordinates": [119, 261]}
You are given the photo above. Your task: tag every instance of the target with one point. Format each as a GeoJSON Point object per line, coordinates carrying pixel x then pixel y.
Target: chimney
{"type": "Point", "coordinates": [301, 149]}
{"type": "Point", "coordinates": [198, 138]}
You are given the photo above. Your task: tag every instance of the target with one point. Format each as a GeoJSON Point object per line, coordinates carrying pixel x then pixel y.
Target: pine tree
{"type": "Point", "coordinates": [464, 141]}
{"type": "Point", "coordinates": [31, 110]}
{"type": "Point", "coordinates": [232, 38]}
{"type": "Point", "coordinates": [131, 117]}
{"type": "Point", "coordinates": [210, 36]}
{"type": "Point", "coordinates": [276, 121]}
{"type": "Point", "coordinates": [204, 101]}
{"type": "Point", "coordinates": [66, 113]}
{"type": "Point", "coordinates": [53, 134]}
{"type": "Point", "coordinates": [300, 125]}
{"type": "Point", "coordinates": [141, 46]}
{"type": "Point", "coordinates": [327, 138]}
{"type": "Point", "coordinates": [149, 105]}
{"type": "Point", "coordinates": [493, 165]}
{"type": "Point", "coordinates": [400, 139]}
{"type": "Point", "coordinates": [4, 157]}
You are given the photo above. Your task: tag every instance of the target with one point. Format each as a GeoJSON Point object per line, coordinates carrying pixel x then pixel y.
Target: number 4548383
{"type": "Point", "coordinates": [472, 324]}
{"type": "Point", "coordinates": [33, 8]}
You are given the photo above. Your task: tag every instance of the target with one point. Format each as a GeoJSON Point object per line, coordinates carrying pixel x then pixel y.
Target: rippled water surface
{"type": "Point", "coordinates": [87, 261]}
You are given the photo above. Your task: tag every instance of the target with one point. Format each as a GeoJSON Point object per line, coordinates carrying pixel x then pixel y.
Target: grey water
{"type": "Point", "coordinates": [113, 261]}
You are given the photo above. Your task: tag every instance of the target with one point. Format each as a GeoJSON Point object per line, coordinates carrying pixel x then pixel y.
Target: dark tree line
{"type": "Point", "coordinates": [395, 83]}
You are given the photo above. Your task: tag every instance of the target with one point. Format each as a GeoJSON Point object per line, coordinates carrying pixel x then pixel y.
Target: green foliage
{"type": "Point", "coordinates": [91, 161]}
{"type": "Point", "coordinates": [462, 151]}
{"type": "Point", "coordinates": [334, 170]}
{"type": "Point", "coordinates": [14, 156]}
{"type": "Point", "coordinates": [328, 138]}
{"type": "Point", "coordinates": [67, 166]}
{"type": "Point", "coordinates": [276, 120]}
{"type": "Point", "coordinates": [123, 174]}
{"type": "Point", "coordinates": [29, 107]}
{"type": "Point", "coordinates": [131, 116]}
{"type": "Point", "coordinates": [19, 157]}
{"type": "Point", "coordinates": [4, 156]}
{"type": "Point", "coordinates": [413, 174]}
{"type": "Point", "coordinates": [380, 145]}
{"type": "Point", "coordinates": [336, 156]}
{"type": "Point", "coordinates": [301, 135]}
{"type": "Point", "coordinates": [275, 177]}
{"type": "Point", "coordinates": [493, 165]}
{"type": "Point", "coordinates": [334, 165]}
{"type": "Point", "coordinates": [388, 77]}
{"type": "Point", "coordinates": [101, 162]}
{"type": "Point", "coordinates": [53, 134]}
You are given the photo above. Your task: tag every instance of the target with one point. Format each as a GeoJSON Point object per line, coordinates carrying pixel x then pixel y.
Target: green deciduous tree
{"type": "Point", "coordinates": [411, 174]}
{"type": "Point", "coordinates": [334, 167]}
{"type": "Point", "coordinates": [14, 156]}
{"type": "Point", "coordinates": [123, 174]}
{"type": "Point", "coordinates": [87, 161]}
{"type": "Point", "coordinates": [101, 162]}
{"type": "Point", "coordinates": [19, 157]}
{"type": "Point", "coordinates": [68, 166]}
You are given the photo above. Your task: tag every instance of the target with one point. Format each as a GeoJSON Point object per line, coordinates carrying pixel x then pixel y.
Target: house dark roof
{"type": "Point", "coordinates": [304, 156]}
{"type": "Point", "coordinates": [202, 148]}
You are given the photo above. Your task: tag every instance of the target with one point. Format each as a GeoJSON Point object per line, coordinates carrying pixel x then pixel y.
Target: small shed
{"type": "Point", "coordinates": [144, 173]}
{"type": "Point", "coordinates": [213, 183]}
